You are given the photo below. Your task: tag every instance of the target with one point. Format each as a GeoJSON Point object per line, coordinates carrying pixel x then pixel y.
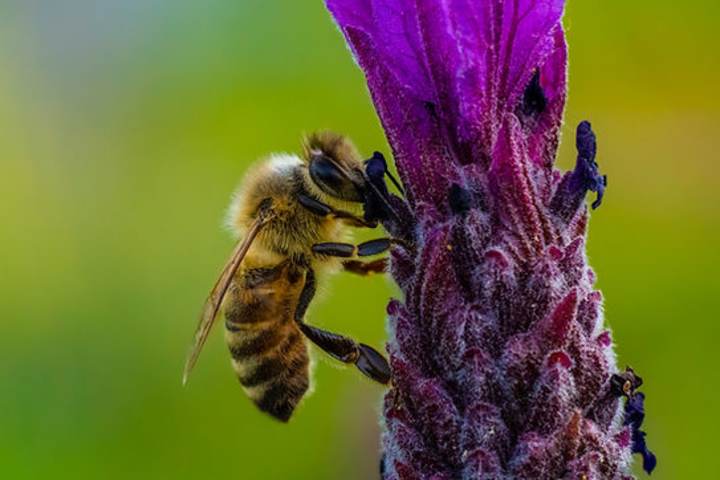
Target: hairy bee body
{"type": "Point", "coordinates": [292, 216]}
{"type": "Point", "coordinates": [269, 352]}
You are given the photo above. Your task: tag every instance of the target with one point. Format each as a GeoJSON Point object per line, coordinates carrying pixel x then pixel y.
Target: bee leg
{"type": "Point", "coordinates": [368, 360]}
{"type": "Point", "coordinates": [346, 250]}
{"type": "Point", "coordinates": [366, 268]}
{"type": "Point", "coordinates": [352, 220]}
{"type": "Point", "coordinates": [324, 210]}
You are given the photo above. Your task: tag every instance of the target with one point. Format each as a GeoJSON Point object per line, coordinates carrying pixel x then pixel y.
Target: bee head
{"type": "Point", "coordinates": [335, 167]}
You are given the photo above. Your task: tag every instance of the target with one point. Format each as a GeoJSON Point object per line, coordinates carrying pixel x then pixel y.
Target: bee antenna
{"type": "Point", "coordinates": [381, 157]}
{"type": "Point", "coordinates": [395, 182]}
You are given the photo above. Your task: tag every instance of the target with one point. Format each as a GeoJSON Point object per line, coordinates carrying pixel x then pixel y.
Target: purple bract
{"type": "Point", "coordinates": [501, 365]}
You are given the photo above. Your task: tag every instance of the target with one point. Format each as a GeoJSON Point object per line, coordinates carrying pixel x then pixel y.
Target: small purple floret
{"type": "Point", "coordinates": [625, 385]}
{"type": "Point", "coordinates": [585, 177]}
{"type": "Point", "coordinates": [502, 366]}
{"type": "Point", "coordinates": [634, 417]}
{"type": "Point", "coordinates": [588, 176]}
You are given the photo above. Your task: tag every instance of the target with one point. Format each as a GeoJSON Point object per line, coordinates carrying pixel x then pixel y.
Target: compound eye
{"type": "Point", "coordinates": [325, 174]}
{"type": "Point", "coordinates": [332, 181]}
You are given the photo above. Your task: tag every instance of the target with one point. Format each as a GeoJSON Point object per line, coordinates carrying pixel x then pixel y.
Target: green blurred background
{"type": "Point", "coordinates": [126, 124]}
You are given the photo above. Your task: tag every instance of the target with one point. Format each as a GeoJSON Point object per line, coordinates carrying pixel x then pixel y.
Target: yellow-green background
{"type": "Point", "coordinates": [126, 124]}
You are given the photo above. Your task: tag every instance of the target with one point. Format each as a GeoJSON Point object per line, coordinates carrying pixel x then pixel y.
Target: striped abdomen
{"type": "Point", "coordinates": [269, 352]}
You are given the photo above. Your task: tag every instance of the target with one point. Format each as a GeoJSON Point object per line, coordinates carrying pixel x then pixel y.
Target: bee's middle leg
{"type": "Point", "coordinates": [347, 250]}
{"type": "Point", "coordinates": [368, 360]}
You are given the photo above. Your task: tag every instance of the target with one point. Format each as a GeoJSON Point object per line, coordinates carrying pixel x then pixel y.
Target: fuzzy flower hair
{"type": "Point", "coordinates": [502, 368]}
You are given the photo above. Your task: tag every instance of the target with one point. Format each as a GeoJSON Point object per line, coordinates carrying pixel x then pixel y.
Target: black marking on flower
{"type": "Point", "coordinates": [534, 101]}
{"type": "Point", "coordinates": [460, 199]}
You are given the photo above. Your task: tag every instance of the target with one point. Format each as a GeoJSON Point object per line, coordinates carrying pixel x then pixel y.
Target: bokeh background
{"type": "Point", "coordinates": [126, 124]}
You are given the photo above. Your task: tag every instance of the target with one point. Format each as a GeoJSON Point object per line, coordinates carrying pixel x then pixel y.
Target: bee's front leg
{"type": "Point", "coordinates": [324, 210]}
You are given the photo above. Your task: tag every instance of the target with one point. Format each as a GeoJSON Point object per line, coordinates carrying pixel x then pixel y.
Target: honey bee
{"type": "Point", "coordinates": [293, 214]}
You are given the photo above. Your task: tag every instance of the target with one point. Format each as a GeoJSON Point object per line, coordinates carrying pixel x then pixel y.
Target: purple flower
{"type": "Point", "coordinates": [501, 365]}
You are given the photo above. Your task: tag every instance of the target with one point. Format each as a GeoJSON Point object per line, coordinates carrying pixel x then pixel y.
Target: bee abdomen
{"type": "Point", "coordinates": [272, 366]}
{"type": "Point", "coordinates": [245, 345]}
{"type": "Point", "coordinates": [281, 398]}
{"type": "Point", "coordinates": [268, 369]}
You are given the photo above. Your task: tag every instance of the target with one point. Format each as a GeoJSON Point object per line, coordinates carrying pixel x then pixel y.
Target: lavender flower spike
{"type": "Point", "coordinates": [502, 368]}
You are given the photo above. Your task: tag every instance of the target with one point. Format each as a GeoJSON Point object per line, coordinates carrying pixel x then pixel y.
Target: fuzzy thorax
{"type": "Point", "coordinates": [294, 229]}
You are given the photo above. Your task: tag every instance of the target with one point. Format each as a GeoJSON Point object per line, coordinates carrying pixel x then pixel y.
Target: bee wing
{"type": "Point", "coordinates": [215, 298]}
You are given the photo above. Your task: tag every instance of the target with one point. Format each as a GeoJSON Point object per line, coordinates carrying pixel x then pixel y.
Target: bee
{"type": "Point", "coordinates": [292, 214]}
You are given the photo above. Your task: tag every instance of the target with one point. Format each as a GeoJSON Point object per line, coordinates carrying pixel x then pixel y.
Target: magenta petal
{"type": "Point", "coordinates": [412, 132]}
{"type": "Point", "coordinates": [443, 77]}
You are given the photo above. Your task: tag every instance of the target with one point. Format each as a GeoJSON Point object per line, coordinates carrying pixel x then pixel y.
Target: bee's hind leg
{"type": "Point", "coordinates": [368, 360]}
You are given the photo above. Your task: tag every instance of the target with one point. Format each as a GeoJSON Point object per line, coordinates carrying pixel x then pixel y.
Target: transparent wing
{"type": "Point", "coordinates": [215, 298]}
